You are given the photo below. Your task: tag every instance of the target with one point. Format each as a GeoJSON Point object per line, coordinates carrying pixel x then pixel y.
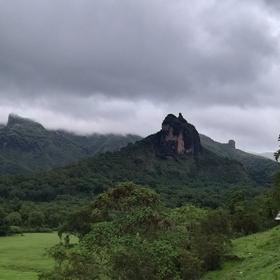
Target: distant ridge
{"type": "Point", "coordinates": [176, 161]}
{"type": "Point", "coordinates": [14, 119]}
{"type": "Point", "coordinates": [27, 147]}
{"type": "Point", "coordinates": [261, 169]}
{"type": "Point", "coordinates": [269, 155]}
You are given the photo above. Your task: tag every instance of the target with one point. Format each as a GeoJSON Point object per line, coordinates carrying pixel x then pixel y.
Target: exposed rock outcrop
{"type": "Point", "coordinates": [177, 137]}
{"type": "Point", "coordinates": [15, 120]}
{"type": "Point", "coordinates": [231, 144]}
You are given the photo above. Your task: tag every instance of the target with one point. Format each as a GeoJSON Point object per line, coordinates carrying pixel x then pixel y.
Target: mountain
{"type": "Point", "coordinates": [259, 168]}
{"type": "Point", "coordinates": [172, 161]}
{"type": "Point", "coordinates": [26, 146]}
{"type": "Point", "coordinates": [269, 155]}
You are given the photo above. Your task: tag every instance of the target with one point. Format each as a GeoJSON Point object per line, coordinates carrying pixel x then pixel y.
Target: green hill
{"type": "Point", "coordinates": [27, 147]}
{"type": "Point", "coordinates": [269, 155]}
{"type": "Point", "coordinates": [260, 169]}
{"type": "Point", "coordinates": [172, 162]}
{"type": "Point", "coordinates": [257, 258]}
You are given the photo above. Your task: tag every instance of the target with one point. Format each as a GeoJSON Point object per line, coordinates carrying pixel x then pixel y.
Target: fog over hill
{"type": "Point", "coordinates": [27, 147]}
{"type": "Point", "coordinates": [117, 67]}
{"type": "Point", "coordinates": [176, 161]}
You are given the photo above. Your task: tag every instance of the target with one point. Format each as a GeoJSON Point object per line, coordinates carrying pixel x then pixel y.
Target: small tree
{"type": "Point", "coordinates": [36, 219]}
{"type": "Point", "coordinates": [276, 186]}
{"type": "Point", "coordinates": [4, 227]}
{"type": "Point", "coordinates": [277, 153]}
{"type": "Point", "coordinates": [14, 219]}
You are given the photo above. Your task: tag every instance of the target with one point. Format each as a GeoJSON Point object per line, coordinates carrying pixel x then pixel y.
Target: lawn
{"type": "Point", "coordinates": [22, 257]}
{"type": "Point", "coordinates": [259, 258]}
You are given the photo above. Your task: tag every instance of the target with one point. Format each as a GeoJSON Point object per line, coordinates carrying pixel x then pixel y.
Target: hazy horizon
{"type": "Point", "coordinates": [81, 133]}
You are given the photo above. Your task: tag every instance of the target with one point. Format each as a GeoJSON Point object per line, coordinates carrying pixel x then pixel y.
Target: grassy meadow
{"type": "Point", "coordinates": [259, 258]}
{"type": "Point", "coordinates": [23, 257]}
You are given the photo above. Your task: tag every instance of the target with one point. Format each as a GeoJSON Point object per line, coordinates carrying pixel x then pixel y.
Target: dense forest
{"type": "Point", "coordinates": [27, 147]}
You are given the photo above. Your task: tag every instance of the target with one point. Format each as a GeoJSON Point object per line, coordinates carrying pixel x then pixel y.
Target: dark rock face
{"type": "Point", "coordinates": [178, 137]}
{"type": "Point", "coordinates": [231, 144]}
{"type": "Point", "coordinates": [15, 121]}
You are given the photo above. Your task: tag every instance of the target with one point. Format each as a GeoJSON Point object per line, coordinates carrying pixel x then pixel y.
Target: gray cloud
{"type": "Point", "coordinates": [121, 65]}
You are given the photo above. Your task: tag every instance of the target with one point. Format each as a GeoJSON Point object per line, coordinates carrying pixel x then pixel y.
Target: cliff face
{"type": "Point", "coordinates": [231, 144]}
{"type": "Point", "coordinates": [177, 137]}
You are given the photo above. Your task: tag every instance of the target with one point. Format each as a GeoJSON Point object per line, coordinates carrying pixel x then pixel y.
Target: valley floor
{"type": "Point", "coordinates": [23, 257]}
{"type": "Point", "coordinates": [259, 258]}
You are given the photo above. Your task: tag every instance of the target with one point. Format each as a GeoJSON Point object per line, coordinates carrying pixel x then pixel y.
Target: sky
{"type": "Point", "coordinates": [120, 66]}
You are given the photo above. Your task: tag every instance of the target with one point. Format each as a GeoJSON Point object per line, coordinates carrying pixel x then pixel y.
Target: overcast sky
{"type": "Point", "coordinates": [122, 65]}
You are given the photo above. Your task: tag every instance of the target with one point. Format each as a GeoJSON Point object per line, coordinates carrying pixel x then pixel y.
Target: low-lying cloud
{"type": "Point", "coordinates": [120, 66]}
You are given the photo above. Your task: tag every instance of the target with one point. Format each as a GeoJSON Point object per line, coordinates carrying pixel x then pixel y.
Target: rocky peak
{"type": "Point", "coordinates": [178, 137]}
{"type": "Point", "coordinates": [231, 144]}
{"type": "Point", "coordinates": [16, 120]}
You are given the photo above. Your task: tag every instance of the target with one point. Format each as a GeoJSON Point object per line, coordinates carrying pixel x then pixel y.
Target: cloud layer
{"type": "Point", "coordinates": [120, 66]}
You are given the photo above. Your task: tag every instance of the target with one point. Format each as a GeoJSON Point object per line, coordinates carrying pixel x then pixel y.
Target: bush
{"type": "Point", "coordinates": [36, 219]}
{"type": "Point", "coordinates": [14, 219]}
{"type": "Point", "coordinates": [4, 227]}
{"type": "Point", "coordinates": [128, 234]}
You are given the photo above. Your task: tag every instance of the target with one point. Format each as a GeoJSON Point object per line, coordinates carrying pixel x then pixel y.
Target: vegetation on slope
{"type": "Point", "coordinates": [257, 257]}
{"type": "Point", "coordinates": [27, 147]}
{"type": "Point", "coordinates": [127, 233]}
{"type": "Point", "coordinates": [206, 179]}
{"type": "Point", "coordinates": [177, 179]}
{"type": "Point", "coordinates": [252, 257]}
{"type": "Point", "coordinates": [260, 169]}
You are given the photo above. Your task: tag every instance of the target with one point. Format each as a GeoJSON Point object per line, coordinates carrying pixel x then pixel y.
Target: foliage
{"type": "Point", "coordinates": [14, 219]}
{"type": "Point", "coordinates": [259, 168]}
{"type": "Point", "coordinates": [275, 201]}
{"type": "Point", "coordinates": [205, 180]}
{"type": "Point", "coordinates": [256, 257]}
{"type": "Point", "coordinates": [4, 227]}
{"type": "Point", "coordinates": [22, 216]}
{"type": "Point", "coordinates": [36, 218]}
{"type": "Point", "coordinates": [132, 235]}
{"type": "Point", "coordinates": [27, 147]}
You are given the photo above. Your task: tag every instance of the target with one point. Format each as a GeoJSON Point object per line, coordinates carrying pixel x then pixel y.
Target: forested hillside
{"type": "Point", "coordinates": [27, 147]}
{"type": "Point", "coordinates": [128, 233]}
{"type": "Point", "coordinates": [260, 169]}
{"type": "Point", "coordinates": [172, 161]}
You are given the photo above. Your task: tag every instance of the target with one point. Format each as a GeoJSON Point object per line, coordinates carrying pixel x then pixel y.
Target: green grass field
{"type": "Point", "coordinates": [259, 258]}
{"type": "Point", "coordinates": [22, 257]}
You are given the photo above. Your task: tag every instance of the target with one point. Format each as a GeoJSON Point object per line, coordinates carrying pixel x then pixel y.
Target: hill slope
{"type": "Point", "coordinates": [269, 155]}
{"type": "Point", "coordinates": [172, 161]}
{"type": "Point", "coordinates": [260, 169]}
{"type": "Point", "coordinates": [258, 258]}
{"type": "Point", "coordinates": [26, 146]}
